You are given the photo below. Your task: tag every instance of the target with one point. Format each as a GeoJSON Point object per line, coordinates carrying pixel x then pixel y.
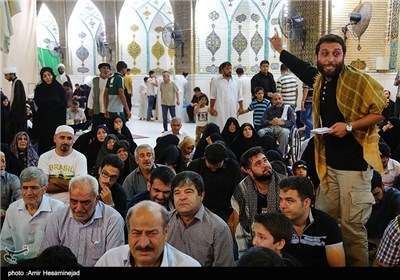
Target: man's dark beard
{"type": "Point", "coordinates": [335, 73]}
{"type": "Point", "coordinates": [64, 148]}
{"type": "Point", "coordinates": [263, 177]}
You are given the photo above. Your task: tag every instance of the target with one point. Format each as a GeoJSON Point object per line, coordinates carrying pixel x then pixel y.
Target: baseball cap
{"type": "Point", "coordinates": [300, 164]}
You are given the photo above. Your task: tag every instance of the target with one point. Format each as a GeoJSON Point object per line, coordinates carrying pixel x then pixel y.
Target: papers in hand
{"type": "Point", "coordinates": [321, 130]}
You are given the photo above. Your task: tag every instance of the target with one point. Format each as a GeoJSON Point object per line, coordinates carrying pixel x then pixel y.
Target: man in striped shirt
{"type": "Point", "coordinates": [287, 86]}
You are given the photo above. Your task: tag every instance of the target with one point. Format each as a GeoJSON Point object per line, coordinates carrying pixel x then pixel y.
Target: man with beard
{"type": "Point", "coordinates": [350, 104]}
{"type": "Point", "coordinates": [158, 188]}
{"type": "Point", "coordinates": [226, 97]}
{"type": "Point", "coordinates": [277, 120]}
{"type": "Point", "coordinates": [62, 163]}
{"type": "Point", "coordinates": [62, 77]}
{"type": "Point", "coordinates": [256, 193]}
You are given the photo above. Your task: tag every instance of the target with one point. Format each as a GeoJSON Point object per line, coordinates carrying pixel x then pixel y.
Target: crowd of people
{"type": "Point", "coordinates": [226, 196]}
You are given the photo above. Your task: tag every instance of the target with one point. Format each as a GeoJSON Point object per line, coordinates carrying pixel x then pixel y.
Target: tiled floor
{"type": "Point", "coordinates": [151, 129]}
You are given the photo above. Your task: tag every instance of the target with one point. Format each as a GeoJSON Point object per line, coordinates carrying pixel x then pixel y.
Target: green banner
{"type": "Point", "coordinates": [46, 59]}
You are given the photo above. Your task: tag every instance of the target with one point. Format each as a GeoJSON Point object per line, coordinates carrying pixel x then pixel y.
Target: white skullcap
{"type": "Point", "coordinates": [10, 70]}
{"type": "Point", "coordinates": [88, 80]}
{"type": "Point", "coordinates": [60, 65]}
{"type": "Point", "coordinates": [64, 128]}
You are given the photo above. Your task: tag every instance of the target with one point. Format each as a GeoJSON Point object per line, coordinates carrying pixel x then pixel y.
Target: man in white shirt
{"type": "Point", "coordinates": [23, 228]}
{"type": "Point", "coordinates": [391, 166]}
{"type": "Point", "coordinates": [176, 125]}
{"type": "Point", "coordinates": [181, 82]}
{"type": "Point", "coordinates": [245, 84]}
{"type": "Point", "coordinates": [147, 224]}
{"type": "Point", "coordinates": [62, 163]}
{"type": "Point", "coordinates": [225, 97]}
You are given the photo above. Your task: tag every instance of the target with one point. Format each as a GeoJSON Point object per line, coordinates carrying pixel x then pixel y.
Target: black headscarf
{"type": "Point", "coordinates": [226, 134]}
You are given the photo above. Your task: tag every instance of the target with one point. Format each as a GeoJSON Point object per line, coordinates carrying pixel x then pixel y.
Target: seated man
{"type": "Point", "coordinates": [390, 165]}
{"type": "Point", "coordinates": [176, 125]}
{"type": "Point", "coordinates": [23, 229]}
{"type": "Point", "coordinates": [147, 224]}
{"type": "Point", "coordinates": [387, 255]}
{"type": "Point", "coordinates": [62, 163]}
{"type": "Point", "coordinates": [386, 207]}
{"type": "Point", "coordinates": [221, 175]}
{"type": "Point", "coordinates": [278, 119]}
{"type": "Point", "coordinates": [158, 189]}
{"type": "Point", "coordinates": [196, 230]}
{"type": "Point", "coordinates": [111, 192]}
{"type": "Point", "coordinates": [136, 181]}
{"type": "Point", "coordinates": [87, 226]}
{"type": "Point", "coordinates": [10, 187]}
{"type": "Point", "coordinates": [273, 230]}
{"type": "Point", "coordinates": [316, 237]}
{"type": "Point", "coordinates": [76, 117]}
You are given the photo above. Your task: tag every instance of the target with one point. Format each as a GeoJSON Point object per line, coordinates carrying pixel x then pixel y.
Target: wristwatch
{"type": "Point", "coordinates": [349, 128]}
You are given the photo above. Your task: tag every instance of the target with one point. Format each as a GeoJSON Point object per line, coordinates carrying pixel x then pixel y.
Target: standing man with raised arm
{"type": "Point", "coordinates": [350, 104]}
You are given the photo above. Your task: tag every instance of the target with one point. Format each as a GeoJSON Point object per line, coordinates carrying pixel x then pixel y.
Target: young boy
{"type": "Point", "coordinates": [300, 168]}
{"type": "Point", "coordinates": [201, 116]}
{"type": "Point", "coordinates": [259, 105]}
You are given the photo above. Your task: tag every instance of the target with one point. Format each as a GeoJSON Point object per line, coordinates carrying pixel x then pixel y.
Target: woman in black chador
{"type": "Point", "coordinates": [51, 101]}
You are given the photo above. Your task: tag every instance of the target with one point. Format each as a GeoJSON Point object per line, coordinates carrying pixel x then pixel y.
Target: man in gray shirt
{"type": "Point", "coordinates": [195, 230]}
{"type": "Point", "coordinates": [87, 226]}
{"type": "Point", "coordinates": [136, 181]}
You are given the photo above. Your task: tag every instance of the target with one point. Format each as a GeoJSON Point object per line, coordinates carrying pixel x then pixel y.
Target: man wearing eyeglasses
{"type": "Point", "coordinates": [62, 163]}
{"type": "Point", "coordinates": [111, 192]}
{"type": "Point", "coordinates": [23, 228]}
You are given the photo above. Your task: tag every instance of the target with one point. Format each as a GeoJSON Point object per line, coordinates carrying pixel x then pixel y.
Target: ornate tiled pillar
{"type": "Point", "coordinates": [316, 24]}
{"type": "Point", "coordinates": [184, 15]}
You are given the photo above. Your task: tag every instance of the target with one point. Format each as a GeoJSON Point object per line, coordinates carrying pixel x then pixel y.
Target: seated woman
{"type": "Point", "coordinates": [187, 147]}
{"type": "Point", "coordinates": [230, 131]}
{"type": "Point", "coordinates": [122, 150]}
{"type": "Point", "coordinates": [201, 146]}
{"type": "Point", "coordinates": [21, 147]}
{"type": "Point", "coordinates": [122, 131]}
{"type": "Point", "coordinates": [164, 141]}
{"type": "Point", "coordinates": [99, 135]}
{"type": "Point", "coordinates": [171, 157]}
{"type": "Point", "coordinates": [246, 139]}
{"type": "Point", "coordinates": [106, 149]}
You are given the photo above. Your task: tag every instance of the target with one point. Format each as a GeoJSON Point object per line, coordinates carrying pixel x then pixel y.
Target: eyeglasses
{"type": "Point", "coordinates": [33, 188]}
{"type": "Point", "coordinates": [107, 176]}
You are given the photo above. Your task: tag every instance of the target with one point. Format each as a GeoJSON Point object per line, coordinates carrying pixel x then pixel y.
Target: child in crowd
{"type": "Point", "coordinates": [201, 116]}
{"type": "Point", "coordinates": [259, 105]}
{"type": "Point", "coordinates": [300, 168]}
